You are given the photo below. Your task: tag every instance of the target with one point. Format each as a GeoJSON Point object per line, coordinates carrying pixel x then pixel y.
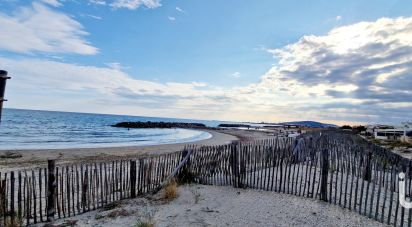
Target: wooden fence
{"type": "Point", "coordinates": [26, 196]}
{"type": "Point", "coordinates": [339, 168]}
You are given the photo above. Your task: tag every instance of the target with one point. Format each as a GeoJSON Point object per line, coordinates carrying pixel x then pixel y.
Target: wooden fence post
{"type": "Point", "coordinates": [12, 213]}
{"type": "Point", "coordinates": [234, 161]}
{"type": "Point", "coordinates": [133, 178]}
{"type": "Point", "coordinates": [3, 197]}
{"type": "Point", "coordinates": [368, 169]}
{"type": "Point", "coordinates": [51, 189]}
{"type": "Point", "coordinates": [324, 176]}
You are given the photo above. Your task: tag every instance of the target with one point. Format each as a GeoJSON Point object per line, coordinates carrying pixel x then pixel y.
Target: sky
{"type": "Point", "coordinates": [342, 62]}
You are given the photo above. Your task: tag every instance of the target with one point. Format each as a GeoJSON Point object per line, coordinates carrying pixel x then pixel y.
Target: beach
{"type": "Point", "coordinates": [33, 158]}
{"type": "Point", "coordinates": [202, 205]}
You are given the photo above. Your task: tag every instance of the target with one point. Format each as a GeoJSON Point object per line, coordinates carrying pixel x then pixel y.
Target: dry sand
{"type": "Point", "coordinates": [200, 205]}
{"type": "Point", "coordinates": [34, 158]}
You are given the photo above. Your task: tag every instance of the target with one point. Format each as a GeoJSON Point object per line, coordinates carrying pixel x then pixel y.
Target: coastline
{"type": "Point", "coordinates": [34, 158]}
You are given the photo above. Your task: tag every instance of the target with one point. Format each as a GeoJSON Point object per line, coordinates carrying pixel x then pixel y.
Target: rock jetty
{"type": "Point", "coordinates": [150, 124]}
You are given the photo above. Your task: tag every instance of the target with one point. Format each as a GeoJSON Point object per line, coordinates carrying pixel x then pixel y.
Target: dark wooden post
{"type": "Point", "coordinates": [3, 78]}
{"type": "Point", "coordinates": [12, 190]}
{"type": "Point", "coordinates": [324, 176]}
{"type": "Point", "coordinates": [3, 200]}
{"type": "Point", "coordinates": [368, 169]}
{"type": "Point", "coordinates": [85, 189]}
{"type": "Point", "coordinates": [133, 178]}
{"type": "Point", "coordinates": [234, 164]}
{"type": "Point", "coordinates": [19, 197]}
{"type": "Point", "coordinates": [242, 170]}
{"type": "Point", "coordinates": [51, 189]}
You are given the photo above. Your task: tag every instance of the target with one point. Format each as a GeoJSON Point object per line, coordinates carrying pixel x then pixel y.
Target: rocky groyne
{"type": "Point", "coordinates": [150, 124]}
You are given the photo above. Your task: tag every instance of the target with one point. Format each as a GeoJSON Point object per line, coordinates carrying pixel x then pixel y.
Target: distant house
{"type": "Point", "coordinates": [384, 132]}
{"type": "Point", "coordinates": [389, 134]}
{"type": "Point", "coordinates": [371, 129]}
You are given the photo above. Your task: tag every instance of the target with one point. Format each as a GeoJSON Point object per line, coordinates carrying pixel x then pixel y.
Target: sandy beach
{"type": "Point", "coordinates": [201, 205]}
{"type": "Point", "coordinates": [35, 158]}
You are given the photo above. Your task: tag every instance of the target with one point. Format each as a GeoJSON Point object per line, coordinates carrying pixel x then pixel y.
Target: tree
{"type": "Point", "coordinates": [360, 128]}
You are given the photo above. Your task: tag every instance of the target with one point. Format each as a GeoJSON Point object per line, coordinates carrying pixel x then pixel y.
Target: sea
{"type": "Point", "coordinates": [34, 129]}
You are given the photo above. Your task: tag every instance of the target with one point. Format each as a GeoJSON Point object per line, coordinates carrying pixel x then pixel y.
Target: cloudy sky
{"type": "Point", "coordinates": [332, 61]}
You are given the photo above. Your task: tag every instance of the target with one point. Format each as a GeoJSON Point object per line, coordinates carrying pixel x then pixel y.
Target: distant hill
{"type": "Point", "coordinates": [312, 124]}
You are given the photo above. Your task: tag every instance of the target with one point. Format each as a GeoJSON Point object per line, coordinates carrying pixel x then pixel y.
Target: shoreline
{"type": "Point", "coordinates": [35, 158]}
{"type": "Point", "coordinates": [204, 136]}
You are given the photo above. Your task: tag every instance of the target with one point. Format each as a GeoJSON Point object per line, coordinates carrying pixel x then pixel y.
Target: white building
{"type": "Point", "coordinates": [402, 133]}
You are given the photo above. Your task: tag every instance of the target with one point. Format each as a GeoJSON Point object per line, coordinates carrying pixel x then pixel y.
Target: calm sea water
{"type": "Point", "coordinates": [32, 129]}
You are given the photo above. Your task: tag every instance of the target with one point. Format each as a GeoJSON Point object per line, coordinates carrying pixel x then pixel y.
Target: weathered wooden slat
{"type": "Point", "coordinates": [40, 194]}
{"type": "Point", "coordinates": [324, 174]}
{"type": "Point", "coordinates": [133, 178]}
{"type": "Point", "coordinates": [19, 197]}
{"type": "Point", "coordinates": [34, 197]}
{"type": "Point", "coordinates": [68, 191]}
{"type": "Point", "coordinates": [51, 189]}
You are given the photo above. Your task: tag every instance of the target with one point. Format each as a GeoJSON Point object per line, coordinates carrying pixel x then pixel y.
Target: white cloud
{"type": "Point", "coordinates": [92, 16]}
{"type": "Point", "coordinates": [179, 9]}
{"type": "Point", "coordinates": [97, 2]}
{"type": "Point", "coordinates": [236, 75]}
{"type": "Point", "coordinates": [55, 3]}
{"type": "Point", "coordinates": [41, 29]}
{"type": "Point", "coordinates": [338, 18]}
{"type": "Point", "coordinates": [134, 4]}
{"type": "Point", "coordinates": [171, 18]}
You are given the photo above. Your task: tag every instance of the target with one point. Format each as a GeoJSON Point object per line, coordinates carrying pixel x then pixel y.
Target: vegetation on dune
{"type": "Point", "coordinates": [171, 191]}
{"type": "Point", "coordinates": [145, 223]}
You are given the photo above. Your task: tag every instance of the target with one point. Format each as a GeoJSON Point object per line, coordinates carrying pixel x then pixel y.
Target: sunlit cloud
{"type": "Point", "coordinates": [364, 64]}
{"type": "Point", "coordinates": [38, 28]}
